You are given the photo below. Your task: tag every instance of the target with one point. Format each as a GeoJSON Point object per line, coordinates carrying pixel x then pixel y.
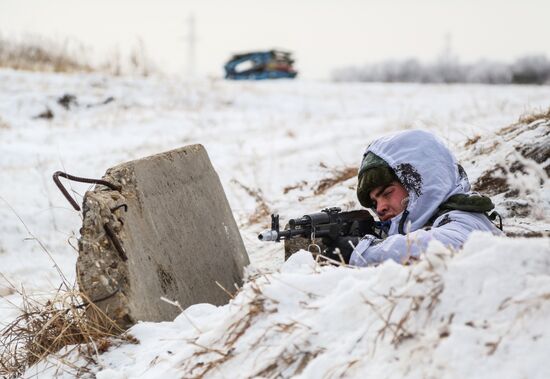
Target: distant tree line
{"type": "Point", "coordinates": [531, 69]}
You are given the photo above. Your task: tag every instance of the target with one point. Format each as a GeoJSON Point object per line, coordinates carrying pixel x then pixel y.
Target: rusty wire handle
{"type": "Point", "coordinates": [115, 241]}
{"type": "Point", "coordinates": [125, 206]}
{"type": "Point", "coordinates": [63, 190]}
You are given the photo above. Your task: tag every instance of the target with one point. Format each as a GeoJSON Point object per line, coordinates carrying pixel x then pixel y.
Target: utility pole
{"type": "Point", "coordinates": [447, 54]}
{"type": "Point", "coordinates": [191, 46]}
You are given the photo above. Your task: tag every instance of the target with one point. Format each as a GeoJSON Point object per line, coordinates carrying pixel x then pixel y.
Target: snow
{"type": "Point", "coordinates": [451, 315]}
{"type": "Point", "coordinates": [296, 318]}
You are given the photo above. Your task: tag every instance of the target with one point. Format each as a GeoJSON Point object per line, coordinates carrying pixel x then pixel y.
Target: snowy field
{"type": "Point", "coordinates": [480, 312]}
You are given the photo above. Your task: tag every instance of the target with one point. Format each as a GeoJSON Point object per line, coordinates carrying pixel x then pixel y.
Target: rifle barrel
{"type": "Point", "coordinates": [268, 235]}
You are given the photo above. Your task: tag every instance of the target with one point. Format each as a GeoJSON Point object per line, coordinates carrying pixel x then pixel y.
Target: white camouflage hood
{"type": "Point", "coordinates": [426, 168]}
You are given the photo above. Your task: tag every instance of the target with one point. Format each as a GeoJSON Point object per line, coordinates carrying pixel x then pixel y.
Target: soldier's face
{"type": "Point", "coordinates": [389, 201]}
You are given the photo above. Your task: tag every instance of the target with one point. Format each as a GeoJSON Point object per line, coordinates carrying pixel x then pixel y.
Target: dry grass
{"type": "Point", "coordinates": [292, 360]}
{"type": "Point", "coordinates": [37, 53]}
{"type": "Point", "coordinates": [472, 141]}
{"type": "Point", "coordinates": [4, 124]}
{"type": "Point", "coordinates": [262, 210]}
{"type": "Point", "coordinates": [532, 117]}
{"type": "Point", "coordinates": [208, 358]}
{"type": "Point", "coordinates": [34, 53]}
{"type": "Point", "coordinates": [338, 176]}
{"type": "Point", "coordinates": [399, 313]}
{"type": "Point", "coordinates": [297, 186]}
{"type": "Point", "coordinates": [44, 328]}
{"type": "Point", "coordinates": [524, 119]}
{"type": "Point", "coordinates": [68, 321]}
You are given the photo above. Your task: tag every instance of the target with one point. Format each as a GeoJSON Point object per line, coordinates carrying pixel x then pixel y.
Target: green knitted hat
{"type": "Point", "coordinates": [374, 172]}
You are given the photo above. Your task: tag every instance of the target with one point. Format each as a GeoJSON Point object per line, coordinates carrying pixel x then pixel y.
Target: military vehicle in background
{"type": "Point", "coordinates": [259, 65]}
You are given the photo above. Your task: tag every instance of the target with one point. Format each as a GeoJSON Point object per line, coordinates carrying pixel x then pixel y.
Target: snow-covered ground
{"type": "Point", "coordinates": [488, 303]}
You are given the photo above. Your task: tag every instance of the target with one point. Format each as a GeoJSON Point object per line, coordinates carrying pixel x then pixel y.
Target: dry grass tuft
{"type": "Point", "coordinates": [34, 53]}
{"type": "Point", "coordinates": [4, 124]}
{"type": "Point", "coordinates": [43, 329]}
{"type": "Point", "coordinates": [338, 176]}
{"type": "Point", "coordinates": [525, 119]}
{"type": "Point", "coordinates": [472, 141]}
{"type": "Point", "coordinates": [68, 321]}
{"type": "Point", "coordinates": [262, 209]}
{"type": "Point", "coordinates": [297, 186]}
{"type": "Point", "coordinates": [291, 361]}
{"type": "Point", "coordinates": [532, 117]}
{"type": "Point", "coordinates": [222, 350]}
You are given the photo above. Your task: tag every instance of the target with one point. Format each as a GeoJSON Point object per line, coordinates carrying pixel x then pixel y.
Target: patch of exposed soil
{"type": "Point", "coordinates": [538, 150]}
{"type": "Point", "coordinates": [532, 141]}
{"type": "Point", "coordinates": [516, 208]}
{"type": "Point", "coordinates": [492, 182]}
{"type": "Point", "coordinates": [524, 145]}
{"type": "Point", "coordinates": [47, 114]}
{"type": "Point", "coordinates": [67, 101]}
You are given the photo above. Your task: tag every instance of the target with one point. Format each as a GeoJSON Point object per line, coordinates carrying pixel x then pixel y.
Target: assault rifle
{"type": "Point", "coordinates": [335, 228]}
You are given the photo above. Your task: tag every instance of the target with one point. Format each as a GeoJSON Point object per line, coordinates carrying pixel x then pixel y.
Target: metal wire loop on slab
{"type": "Point", "coordinates": [125, 206]}
{"type": "Point", "coordinates": [57, 174]}
{"type": "Point", "coordinates": [115, 241]}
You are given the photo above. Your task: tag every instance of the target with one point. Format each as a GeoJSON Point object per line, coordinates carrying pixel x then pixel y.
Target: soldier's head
{"type": "Point", "coordinates": [379, 188]}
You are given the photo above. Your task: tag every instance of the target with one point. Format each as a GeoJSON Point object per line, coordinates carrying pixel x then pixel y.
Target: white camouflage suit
{"type": "Point", "coordinates": [430, 174]}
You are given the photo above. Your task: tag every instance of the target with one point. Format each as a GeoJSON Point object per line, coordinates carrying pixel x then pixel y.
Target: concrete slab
{"type": "Point", "coordinates": [168, 233]}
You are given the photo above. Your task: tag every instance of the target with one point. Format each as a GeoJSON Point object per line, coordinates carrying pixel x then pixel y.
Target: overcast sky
{"type": "Point", "coordinates": [323, 34]}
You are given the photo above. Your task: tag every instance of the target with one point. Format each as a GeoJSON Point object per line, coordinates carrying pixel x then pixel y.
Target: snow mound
{"type": "Point", "coordinates": [516, 169]}
{"type": "Point", "coordinates": [479, 312]}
